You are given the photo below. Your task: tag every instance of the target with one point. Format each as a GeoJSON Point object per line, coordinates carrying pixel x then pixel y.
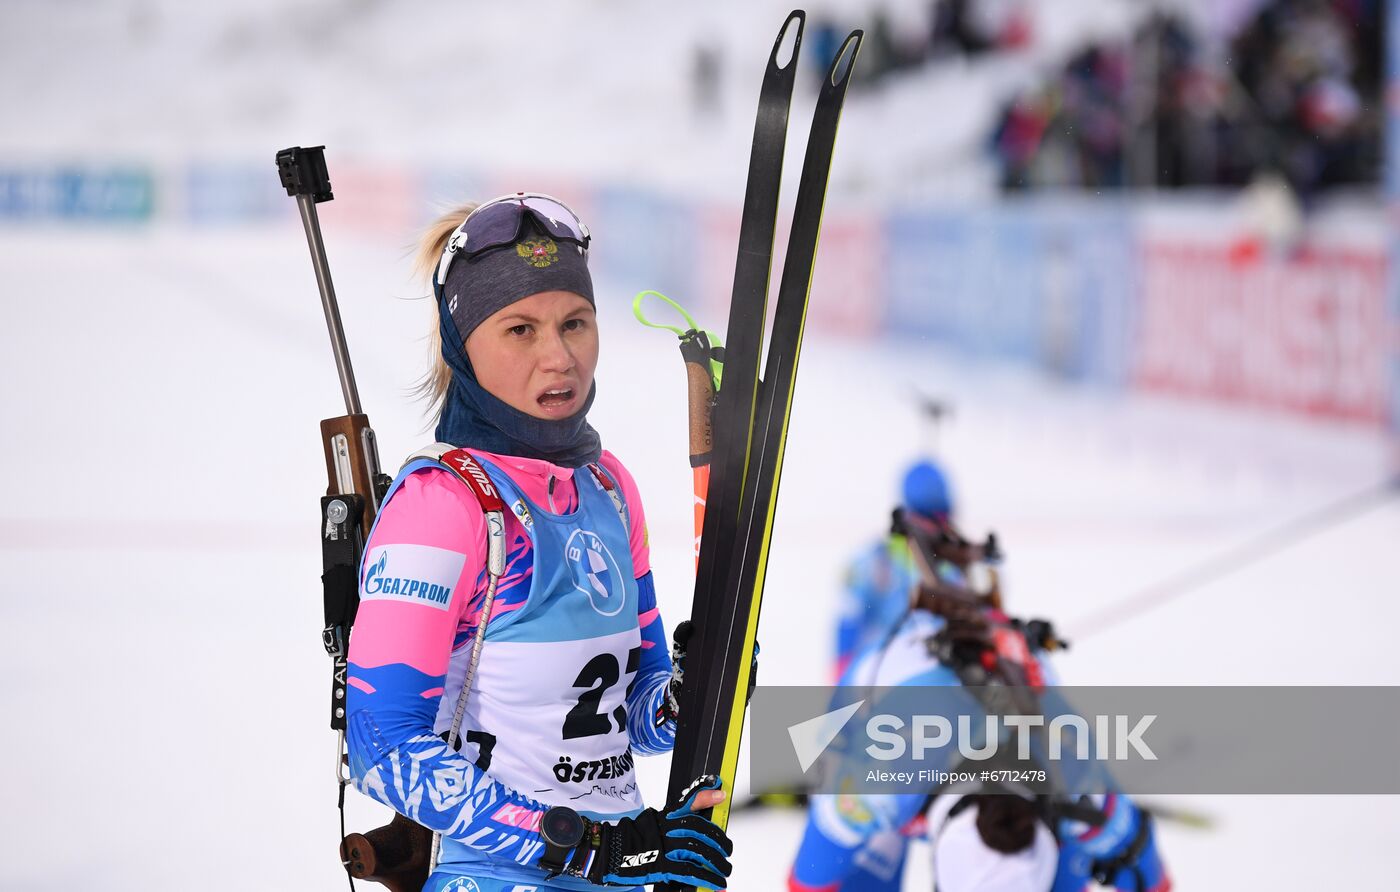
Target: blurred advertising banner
{"type": "Point", "coordinates": [376, 198]}
{"type": "Point", "coordinates": [1045, 284]}
{"type": "Point", "coordinates": [102, 193]}
{"type": "Point", "coordinates": [1169, 294]}
{"type": "Point", "coordinates": [967, 279]}
{"type": "Point", "coordinates": [847, 284]}
{"type": "Point", "coordinates": [1303, 331]}
{"type": "Point", "coordinates": [231, 193]}
{"type": "Point", "coordinates": [651, 243]}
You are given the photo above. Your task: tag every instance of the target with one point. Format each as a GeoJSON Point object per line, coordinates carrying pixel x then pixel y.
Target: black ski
{"type": "Point", "coordinates": [726, 617]}
{"type": "Point", "coordinates": [732, 418]}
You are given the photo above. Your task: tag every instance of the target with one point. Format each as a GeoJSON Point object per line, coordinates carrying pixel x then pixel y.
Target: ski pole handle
{"type": "Point", "coordinates": [700, 387]}
{"type": "Point", "coordinates": [704, 366]}
{"type": "Point", "coordinates": [304, 175]}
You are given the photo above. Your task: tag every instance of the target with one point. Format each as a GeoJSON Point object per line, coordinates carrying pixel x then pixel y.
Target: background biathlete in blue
{"type": "Point", "coordinates": [875, 592]}
{"type": "Point", "coordinates": [859, 842]}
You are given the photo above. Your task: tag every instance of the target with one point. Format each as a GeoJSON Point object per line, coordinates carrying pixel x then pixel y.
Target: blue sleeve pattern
{"type": "Point", "coordinates": [648, 690]}
{"type": "Point", "coordinates": [396, 759]}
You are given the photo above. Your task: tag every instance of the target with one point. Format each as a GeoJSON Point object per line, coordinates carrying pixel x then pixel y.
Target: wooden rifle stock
{"type": "Point", "coordinates": [396, 855]}
{"type": "Point", "coordinates": [352, 462]}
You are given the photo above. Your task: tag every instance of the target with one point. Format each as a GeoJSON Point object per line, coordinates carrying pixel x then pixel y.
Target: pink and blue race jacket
{"type": "Point", "coordinates": [572, 671]}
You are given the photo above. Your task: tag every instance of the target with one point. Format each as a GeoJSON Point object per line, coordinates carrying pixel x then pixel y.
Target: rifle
{"type": "Point", "coordinates": [972, 616]}
{"type": "Point", "coordinates": [988, 650]}
{"type": "Point", "coordinates": [395, 854]}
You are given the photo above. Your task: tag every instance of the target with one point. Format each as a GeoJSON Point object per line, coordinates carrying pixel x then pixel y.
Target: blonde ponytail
{"type": "Point", "coordinates": [432, 387]}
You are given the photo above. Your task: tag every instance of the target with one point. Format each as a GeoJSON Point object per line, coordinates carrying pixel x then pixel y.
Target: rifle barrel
{"type": "Point", "coordinates": [312, 224]}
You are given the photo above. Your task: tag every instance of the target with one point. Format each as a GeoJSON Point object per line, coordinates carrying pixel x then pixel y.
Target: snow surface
{"type": "Point", "coordinates": [159, 625]}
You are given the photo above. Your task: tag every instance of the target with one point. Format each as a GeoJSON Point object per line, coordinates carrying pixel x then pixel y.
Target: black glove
{"type": "Point", "coordinates": [670, 708]}
{"type": "Point", "coordinates": [677, 846]}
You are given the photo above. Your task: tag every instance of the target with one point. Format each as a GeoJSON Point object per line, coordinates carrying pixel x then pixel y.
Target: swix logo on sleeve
{"type": "Point", "coordinates": [417, 574]}
{"type": "Point", "coordinates": [463, 461]}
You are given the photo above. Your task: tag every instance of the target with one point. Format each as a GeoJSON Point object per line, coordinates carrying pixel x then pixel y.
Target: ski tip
{"type": "Point", "coordinates": [845, 60]}
{"type": "Point", "coordinates": [781, 59]}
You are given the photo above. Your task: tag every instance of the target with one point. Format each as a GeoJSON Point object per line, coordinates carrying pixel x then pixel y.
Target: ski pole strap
{"type": "Point", "coordinates": [704, 365]}
{"type": "Point", "coordinates": [698, 345]}
{"type": "Point", "coordinates": [691, 324]}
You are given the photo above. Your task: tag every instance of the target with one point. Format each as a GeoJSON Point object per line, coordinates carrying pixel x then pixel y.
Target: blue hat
{"type": "Point", "coordinates": [926, 491]}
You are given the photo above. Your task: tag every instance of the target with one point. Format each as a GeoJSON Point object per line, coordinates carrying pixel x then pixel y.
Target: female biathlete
{"type": "Point", "coordinates": [518, 748]}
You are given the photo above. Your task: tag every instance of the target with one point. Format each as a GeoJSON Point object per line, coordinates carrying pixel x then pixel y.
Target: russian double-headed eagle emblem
{"type": "Point", "coordinates": [539, 252]}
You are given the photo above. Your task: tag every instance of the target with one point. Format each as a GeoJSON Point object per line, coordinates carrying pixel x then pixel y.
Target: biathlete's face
{"type": "Point", "coordinates": [538, 355]}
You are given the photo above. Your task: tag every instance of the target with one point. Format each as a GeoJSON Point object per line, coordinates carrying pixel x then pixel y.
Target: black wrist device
{"type": "Point", "coordinates": [562, 829]}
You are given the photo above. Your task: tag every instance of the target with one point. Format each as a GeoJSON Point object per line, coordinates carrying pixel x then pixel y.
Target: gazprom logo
{"type": "Point", "coordinates": [417, 574]}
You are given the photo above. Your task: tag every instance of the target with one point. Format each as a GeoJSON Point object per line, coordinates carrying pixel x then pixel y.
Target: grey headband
{"type": "Point", "coordinates": [479, 286]}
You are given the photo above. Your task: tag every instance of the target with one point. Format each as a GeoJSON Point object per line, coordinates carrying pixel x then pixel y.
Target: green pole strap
{"type": "Point", "coordinates": [685, 334]}
{"type": "Point", "coordinates": [692, 325]}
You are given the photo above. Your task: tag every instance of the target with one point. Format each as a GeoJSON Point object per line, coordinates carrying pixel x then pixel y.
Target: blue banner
{"type": "Point", "coordinates": [1045, 285]}
{"type": "Point", "coordinates": [652, 241]}
{"type": "Point", "coordinates": [966, 279]}
{"type": "Point", "coordinates": [1088, 280]}
{"type": "Point", "coordinates": [231, 193]}
{"type": "Point", "coordinates": [77, 194]}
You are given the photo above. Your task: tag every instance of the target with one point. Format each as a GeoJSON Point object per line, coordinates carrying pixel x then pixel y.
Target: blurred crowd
{"type": "Point", "coordinates": [1295, 94]}
{"type": "Point", "coordinates": [950, 28]}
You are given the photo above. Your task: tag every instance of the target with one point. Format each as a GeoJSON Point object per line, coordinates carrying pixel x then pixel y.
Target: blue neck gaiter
{"type": "Point", "coordinates": [472, 417]}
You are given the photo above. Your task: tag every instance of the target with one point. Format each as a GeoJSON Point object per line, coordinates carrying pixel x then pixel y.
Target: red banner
{"type": "Point", "coordinates": [1305, 332]}
{"type": "Point", "coordinates": [848, 283]}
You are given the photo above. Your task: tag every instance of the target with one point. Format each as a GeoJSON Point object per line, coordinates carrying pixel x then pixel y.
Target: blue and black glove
{"type": "Point", "coordinates": [1120, 854]}
{"type": "Point", "coordinates": [672, 846]}
{"type": "Point", "coordinates": [670, 708]}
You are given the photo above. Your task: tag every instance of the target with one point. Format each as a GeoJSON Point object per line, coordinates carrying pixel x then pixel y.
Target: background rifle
{"type": "Point", "coordinates": [396, 854]}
